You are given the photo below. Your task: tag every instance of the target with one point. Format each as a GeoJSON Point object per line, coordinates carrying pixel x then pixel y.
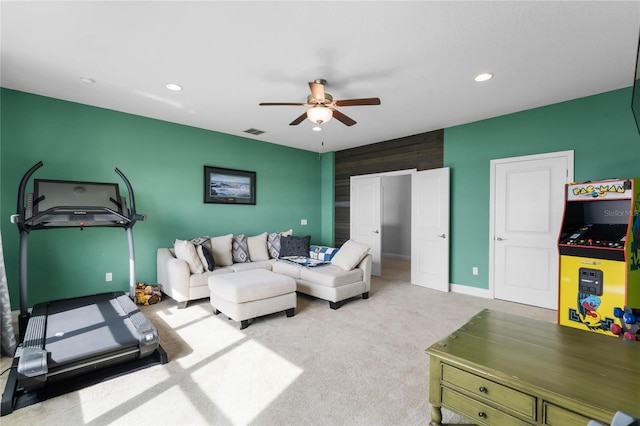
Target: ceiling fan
{"type": "Point", "coordinates": [322, 106]}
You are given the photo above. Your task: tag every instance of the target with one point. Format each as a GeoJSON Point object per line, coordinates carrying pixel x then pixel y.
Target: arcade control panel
{"type": "Point", "coordinates": [603, 236]}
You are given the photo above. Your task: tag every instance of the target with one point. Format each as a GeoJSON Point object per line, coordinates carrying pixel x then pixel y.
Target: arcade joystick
{"type": "Point", "coordinates": [616, 329]}
{"type": "Point", "coordinates": [629, 327]}
{"type": "Point", "coordinates": [629, 318]}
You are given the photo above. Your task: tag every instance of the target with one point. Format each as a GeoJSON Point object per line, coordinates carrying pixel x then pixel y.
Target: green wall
{"type": "Point", "coordinates": [600, 129]}
{"type": "Point", "coordinates": [164, 162]}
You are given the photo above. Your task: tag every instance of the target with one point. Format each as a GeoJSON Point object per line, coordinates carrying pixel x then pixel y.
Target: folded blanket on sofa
{"type": "Point", "coordinates": [307, 262]}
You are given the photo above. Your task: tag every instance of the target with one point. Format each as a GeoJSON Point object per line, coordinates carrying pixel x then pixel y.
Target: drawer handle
{"type": "Point", "coordinates": [482, 415]}
{"type": "Point", "coordinates": [482, 389]}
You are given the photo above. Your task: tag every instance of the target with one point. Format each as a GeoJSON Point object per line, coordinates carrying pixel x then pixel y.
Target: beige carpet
{"type": "Point", "coordinates": [363, 364]}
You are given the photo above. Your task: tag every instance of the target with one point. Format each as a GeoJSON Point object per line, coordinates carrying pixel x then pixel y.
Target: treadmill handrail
{"type": "Point", "coordinates": [132, 201]}
{"type": "Point", "coordinates": [23, 184]}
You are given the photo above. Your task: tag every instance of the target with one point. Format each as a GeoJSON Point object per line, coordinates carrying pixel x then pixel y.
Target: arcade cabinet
{"type": "Point", "coordinates": [599, 247]}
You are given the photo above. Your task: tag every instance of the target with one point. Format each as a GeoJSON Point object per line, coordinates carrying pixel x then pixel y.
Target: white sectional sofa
{"type": "Point", "coordinates": [184, 279]}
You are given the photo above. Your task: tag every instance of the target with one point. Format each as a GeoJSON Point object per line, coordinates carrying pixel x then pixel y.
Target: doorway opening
{"type": "Point", "coordinates": [396, 227]}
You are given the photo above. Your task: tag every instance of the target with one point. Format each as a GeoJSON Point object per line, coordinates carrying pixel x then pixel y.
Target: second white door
{"type": "Point", "coordinates": [527, 214]}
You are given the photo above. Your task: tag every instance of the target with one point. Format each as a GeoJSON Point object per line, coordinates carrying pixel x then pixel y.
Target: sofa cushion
{"type": "Point", "coordinates": [240, 250]}
{"type": "Point", "coordinates": [199, 280]}
{"type": "Point", "coordinates": [261, 264]}
{"type": "Point", "coordinates": [294, 246]}
{"type": "Point", "coordinates": [350, 254]}
{"type": "Point", "coordinates": [221, 250]}
{"type": "Point", "coordinates": [186, 250]}
{"type": "Point", "coordinates": [258, 247]}
{"type": "Point", "coordinates": [286, 268]}
{"type": "Point", "coordinates": [331, 275]}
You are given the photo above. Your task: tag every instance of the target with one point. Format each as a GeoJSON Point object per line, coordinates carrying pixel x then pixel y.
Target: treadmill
{"type": "Point", "coordinates": [68, 344]}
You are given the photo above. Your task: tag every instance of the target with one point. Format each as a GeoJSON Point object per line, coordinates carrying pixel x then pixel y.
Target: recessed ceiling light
{"type": "Point", "coordinates": [173, 86]}
{"type": "Point", "coordinates": [483, 77]}
{"type": "Point", "coordinates": [316, 129]}
{"type": "Point", "coordinates": [87, 80]}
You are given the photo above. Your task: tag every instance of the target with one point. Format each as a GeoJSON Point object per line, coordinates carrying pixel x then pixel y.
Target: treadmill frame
{"type": "Point", "coordinates": [15, 396]}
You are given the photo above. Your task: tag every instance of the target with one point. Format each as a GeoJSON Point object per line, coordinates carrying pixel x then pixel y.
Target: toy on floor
{"type": "Point", "coordinates": [630, 323]}
{"type": "Point", "coordinates": [148, 294]}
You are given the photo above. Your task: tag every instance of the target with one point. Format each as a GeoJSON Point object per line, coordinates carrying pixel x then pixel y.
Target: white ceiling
{"type": "Point", "coordinates": [418, 57]}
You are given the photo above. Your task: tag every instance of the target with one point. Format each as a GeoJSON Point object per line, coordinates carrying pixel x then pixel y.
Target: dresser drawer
{"type": "Point", "coordinates": [476, 411]}
{"type": "Point", "coordinates": [517, 401]}
{"type": "Point", "coordinates": [558, 416]}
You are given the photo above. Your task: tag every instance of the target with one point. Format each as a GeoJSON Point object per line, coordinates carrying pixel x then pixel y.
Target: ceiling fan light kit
{"type": "Point", "coordinates": [323, 106]}
{"type": "Point", "coordinates": [319, 114]}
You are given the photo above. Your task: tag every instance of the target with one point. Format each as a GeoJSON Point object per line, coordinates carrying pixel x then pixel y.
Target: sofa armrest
{"type": "Point", "coordinates": [173, 274]}
{"type": "Point", "coordinates": [365, 265]}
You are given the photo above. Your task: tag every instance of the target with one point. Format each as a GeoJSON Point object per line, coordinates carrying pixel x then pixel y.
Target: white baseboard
{"type": "Point", "coordinates": [397, 256]}
{"type": "Point", "coordinates": [471, 291]}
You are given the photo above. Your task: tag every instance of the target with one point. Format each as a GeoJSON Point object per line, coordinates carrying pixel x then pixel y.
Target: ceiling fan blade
{"type": "Point", "coordinates": [317, 90]}
{"type": "Point", "coordinates": [299, 119]}
{"type": "Point", "coordinates": [354, 102]}
{"type": "Point", "coordinates": [280, 103]}
{"type": "Point", "coordinates": [343, 118]}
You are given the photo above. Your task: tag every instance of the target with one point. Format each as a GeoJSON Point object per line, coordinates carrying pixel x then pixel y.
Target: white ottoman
{"type": "Point", "coordinates": [246, 295]}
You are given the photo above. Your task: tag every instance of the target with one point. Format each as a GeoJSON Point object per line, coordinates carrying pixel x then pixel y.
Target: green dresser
{"type": "Point", "coordinates": [501, 369]}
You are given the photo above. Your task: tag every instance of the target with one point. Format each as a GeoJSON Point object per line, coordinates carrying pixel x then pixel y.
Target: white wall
{"type": "Point", "coordinates": [396, 216]}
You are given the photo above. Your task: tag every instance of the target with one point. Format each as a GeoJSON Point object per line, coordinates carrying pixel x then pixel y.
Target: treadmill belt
{"type": "Point", "coordinates": [75, 333]}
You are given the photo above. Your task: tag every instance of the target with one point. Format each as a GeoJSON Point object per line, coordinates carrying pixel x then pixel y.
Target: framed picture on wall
{"type": "Point", "coordinates": [229, 186]}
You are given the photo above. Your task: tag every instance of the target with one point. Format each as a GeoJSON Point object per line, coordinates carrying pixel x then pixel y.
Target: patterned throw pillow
{"type": "Point", "coordinates": [273, 242]}
{"type": "Point", "coordinates": [294, 246]}
{"type": "Point", "coordinates": [240, 249]}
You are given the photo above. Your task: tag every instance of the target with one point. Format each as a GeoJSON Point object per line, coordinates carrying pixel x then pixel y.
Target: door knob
{"type": "Point", "coordinates": [500, 239]}
{"type": "Point", "coordinates": [442, 236]}
{"type": "Point", "coordinates": [376, 232]}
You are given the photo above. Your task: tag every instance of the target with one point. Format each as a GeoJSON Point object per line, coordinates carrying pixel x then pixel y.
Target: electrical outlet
{"type": "Point", "coordinates": [475, 270]}
{"type": "Point", "coordinates": [108, 276]}
{"type": "Point", "coordinates": [303, 221]}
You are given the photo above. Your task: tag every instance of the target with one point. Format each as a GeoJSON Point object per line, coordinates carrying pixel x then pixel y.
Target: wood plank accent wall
{"type": "Point", "coordinates": [423, 152]}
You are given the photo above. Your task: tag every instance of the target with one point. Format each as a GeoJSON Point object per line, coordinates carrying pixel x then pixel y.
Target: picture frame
{"type": "Point", "coordinates": [229, 186]}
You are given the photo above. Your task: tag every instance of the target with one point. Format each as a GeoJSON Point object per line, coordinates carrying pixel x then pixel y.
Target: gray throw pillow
{"type": "Point", "coordinates": [294, 246]}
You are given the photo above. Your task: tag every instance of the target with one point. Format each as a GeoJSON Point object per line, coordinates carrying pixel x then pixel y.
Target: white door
{"type": "Point", "coordinates": [366, 223]}
{"type": "Point", "coordinates": [528, 203]}
{"type": "Point", "coordinates": [430, 229]}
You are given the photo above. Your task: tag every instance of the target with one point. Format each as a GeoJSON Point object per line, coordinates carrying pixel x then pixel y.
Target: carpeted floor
{"type": "Point", "coordinates": [363, 364]}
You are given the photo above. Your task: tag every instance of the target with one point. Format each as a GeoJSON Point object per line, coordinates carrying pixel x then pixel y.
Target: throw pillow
{"type": "Point", "coordinates": [273, 242]}
{"type": "Point", "coordinates": [294, 246]}
{"type": "Point", "coordinates": [221, 250]}
{"type": "Point", "coordinates": [205, 257]}
{"type": "Point", "coordinates": [205, 242]}
{"type": "Point", "coordinates": [240, 250]}
{"type": "Point", "coordinates": [258, 247]}
{"type": "Point", "coordinates": [350, 254]}
{"type": "Point", "coordinates": [186, 250]}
